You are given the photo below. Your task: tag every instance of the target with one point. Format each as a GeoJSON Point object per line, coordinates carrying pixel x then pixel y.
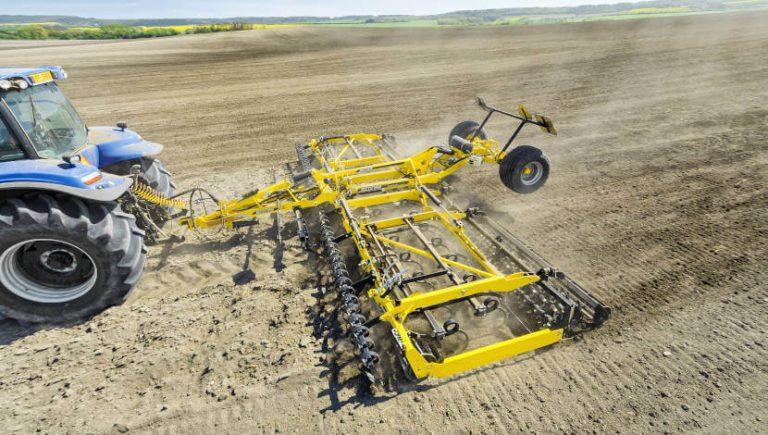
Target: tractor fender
{"type": "Point", "coordinates": [113, 145]}
{"type": "Point", "coordinates": [82, 181]}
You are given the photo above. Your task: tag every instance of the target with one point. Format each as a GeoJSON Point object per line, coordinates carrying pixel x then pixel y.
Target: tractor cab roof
{"type": "Point", "coordinates": [34, 76]}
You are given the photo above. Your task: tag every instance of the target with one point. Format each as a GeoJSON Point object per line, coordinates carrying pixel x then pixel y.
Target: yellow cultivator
{"type": "Point", "coordinates": [453, 287]}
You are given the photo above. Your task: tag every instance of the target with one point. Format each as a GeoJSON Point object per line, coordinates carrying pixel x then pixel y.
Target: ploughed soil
{"type": "Point", "coordinates": [656, 203]}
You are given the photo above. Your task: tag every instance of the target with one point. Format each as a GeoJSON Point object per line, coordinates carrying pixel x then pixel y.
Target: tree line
{"type": "Point", "coordinates": [110, 31]}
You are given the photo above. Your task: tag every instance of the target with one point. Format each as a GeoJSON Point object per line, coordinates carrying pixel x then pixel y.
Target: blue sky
{"type": "Point", "coordinates": [231, 8]}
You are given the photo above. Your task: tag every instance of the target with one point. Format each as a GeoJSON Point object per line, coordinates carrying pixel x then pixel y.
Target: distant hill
{"type": "Point", "coordinates": [478, 16]}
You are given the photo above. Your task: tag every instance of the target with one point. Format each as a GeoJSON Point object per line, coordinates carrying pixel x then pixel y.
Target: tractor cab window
{"type": "Point", "coordinates": [9, 148]}
{"type": "Point", "coordinates": [48, 118]}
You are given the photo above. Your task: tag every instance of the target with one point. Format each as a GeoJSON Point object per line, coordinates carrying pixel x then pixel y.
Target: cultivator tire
{"type": "Point", "coordinates": [63, 259]}
{"type": "Point", "coordinates": [524, 169]}
{"type": "Point", "coordinates": [465, 130]}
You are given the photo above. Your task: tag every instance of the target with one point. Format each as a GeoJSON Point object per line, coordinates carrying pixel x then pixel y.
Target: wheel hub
{"type": "Point", "coordinates": [531, 173]}
{"type": "Point", "coordinates": [47, 271]}
{"type": "Point", "coordinates": [59, 260]}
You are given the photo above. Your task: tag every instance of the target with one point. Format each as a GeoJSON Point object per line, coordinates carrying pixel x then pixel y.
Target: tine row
{"type": "Point", "coordinates": [359, 333]}
{"type": "Point", "coordinates": [301, 152]}
{"type": "Point", "coordinates": [540, 304]}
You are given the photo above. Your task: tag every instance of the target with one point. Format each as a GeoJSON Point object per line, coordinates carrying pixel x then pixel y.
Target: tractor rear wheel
{"type": "Point", "coordinates": [154, 174]}
{"type": "Point", "coordinates": [63, 259]}
{"type": "Point", "coordinates": [524, 169]}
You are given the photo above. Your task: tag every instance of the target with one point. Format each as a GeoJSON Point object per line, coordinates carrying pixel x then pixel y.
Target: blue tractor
{"type": "Point", "coordinates": [72, 233]}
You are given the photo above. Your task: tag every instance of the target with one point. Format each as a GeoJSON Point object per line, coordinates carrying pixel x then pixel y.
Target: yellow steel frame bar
{"type": "Point", "coordinates": [377, 179]}
{"type": "Point", "coordinates": [476, 357]}
{"type": "Point", "coordinates": [423, 253]}
{"type": "Point", "coordinates": [395, 313]}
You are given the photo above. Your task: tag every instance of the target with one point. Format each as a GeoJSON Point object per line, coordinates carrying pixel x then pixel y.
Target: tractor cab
{"type": "Point", "coordinates": [38, 120]}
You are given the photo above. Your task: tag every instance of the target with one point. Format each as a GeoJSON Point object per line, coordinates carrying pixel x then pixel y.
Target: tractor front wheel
{"type": "Point", "coordinates": [524, 169]}
{"type": "Point", "coordinates": [64, 259]}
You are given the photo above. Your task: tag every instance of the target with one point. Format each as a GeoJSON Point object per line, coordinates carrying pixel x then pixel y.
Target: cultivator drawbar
{"type": "Point", "coordinates": [452, 288]}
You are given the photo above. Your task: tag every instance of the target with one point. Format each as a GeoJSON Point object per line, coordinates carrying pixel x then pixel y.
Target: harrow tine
{"type": "Point", "coordinates": [280, 246]}
{"type": "Point", "coordinates": [301, 228]}
{"type": "Point", "coordinates": [480, 308]}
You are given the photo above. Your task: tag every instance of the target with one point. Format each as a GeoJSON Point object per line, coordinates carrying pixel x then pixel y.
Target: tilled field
{"type": "Point", "coordinates": [657, 204]}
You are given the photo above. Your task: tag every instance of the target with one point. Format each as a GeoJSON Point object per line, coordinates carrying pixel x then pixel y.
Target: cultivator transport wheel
{"type": "Point", "coordinates": [63, 259]}
{"type": "Point", "coordinates": [524, 169]}
{"type": "Point", "coordinates": [467, 129]}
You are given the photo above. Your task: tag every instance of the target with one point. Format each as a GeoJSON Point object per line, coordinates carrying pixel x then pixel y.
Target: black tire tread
{"type": "Point", "coordinates": [102, 222]}
{"type": "Point", "coordinates": [466, 128]}
{"type": "Point", "coordinates": [157, 176]}
{"type": "Point", "coordinates": [513, 160]}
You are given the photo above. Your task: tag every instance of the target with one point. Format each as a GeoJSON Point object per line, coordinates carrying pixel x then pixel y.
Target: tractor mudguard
{"type": "Point", "coordinates": [113, 145]}
{"type": "Point", "coordinates": [82, 181]}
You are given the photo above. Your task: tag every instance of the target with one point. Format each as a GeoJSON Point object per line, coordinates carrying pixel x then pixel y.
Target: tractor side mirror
{"type": "Point", "coordinates": [122, 125]}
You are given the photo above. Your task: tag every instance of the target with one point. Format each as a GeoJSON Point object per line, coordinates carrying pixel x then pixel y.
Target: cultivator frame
{"type": "Point", "coordinates": [356, 173]}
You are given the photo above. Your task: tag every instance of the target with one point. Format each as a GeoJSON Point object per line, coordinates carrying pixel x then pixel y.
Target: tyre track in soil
{"type": "Point", "coordinates": [684, 251]}
{"type": "Point", "coordinates": [641, 208]}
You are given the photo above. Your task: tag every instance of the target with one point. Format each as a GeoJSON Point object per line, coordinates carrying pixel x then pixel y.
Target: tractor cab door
{"type": "Point", "coordinates": [9, 146]}
{"type": "Point", "coordinates": [48, 119]}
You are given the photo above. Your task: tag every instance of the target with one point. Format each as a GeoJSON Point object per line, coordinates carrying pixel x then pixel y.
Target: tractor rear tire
{"type": "Point", "coordinates": [465, 130]}
{"type": "Point", "coordinates": [63, 259]}
{"type": "Point", "coordinates": [524, 169]}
